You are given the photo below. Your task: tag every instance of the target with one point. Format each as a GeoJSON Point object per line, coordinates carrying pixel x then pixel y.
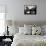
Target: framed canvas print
{"type": "Point", "coordinates": [30, 9]}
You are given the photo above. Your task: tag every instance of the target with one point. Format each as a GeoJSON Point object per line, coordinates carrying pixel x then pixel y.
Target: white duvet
{"type": "Point", "coordinates": [29, 40]}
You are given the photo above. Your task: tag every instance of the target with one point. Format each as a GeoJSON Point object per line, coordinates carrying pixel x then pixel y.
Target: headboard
{"type": "Point", "coordinates": [21, 23]}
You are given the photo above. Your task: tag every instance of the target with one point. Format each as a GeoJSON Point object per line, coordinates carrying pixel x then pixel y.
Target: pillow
{"type": "Point", "coordinates": [36, 30]}
{"type": "Point", "coordinates": [13, 30]}
{"type": "Point", "coordinates": [24, 30]}
{"type": "Point", "coordinates": [28, 31]}
{"type": "Point", "coordinates": [21, 30]}
{"type": "Point", "coordinates": [44, 26]}
{"type": "Point", "coordinates": [28, 26]}
{"type": "Point", "coordinates": [44, 29]}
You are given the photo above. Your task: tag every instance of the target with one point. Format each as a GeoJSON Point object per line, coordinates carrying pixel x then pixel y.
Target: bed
{"type": "Point", "coordinates": [29, 40]}
{"type": "Point", "coordinates": [24, 38]}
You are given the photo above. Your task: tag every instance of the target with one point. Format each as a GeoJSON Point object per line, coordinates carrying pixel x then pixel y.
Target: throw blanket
{"type": "Point", "coordinates": [29, 40]}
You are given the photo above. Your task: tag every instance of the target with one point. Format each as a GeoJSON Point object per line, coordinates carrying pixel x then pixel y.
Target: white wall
{"type": "Point", "coordinates": [41, 10]}
{"type": "Point", "coordinates": [15, 9]}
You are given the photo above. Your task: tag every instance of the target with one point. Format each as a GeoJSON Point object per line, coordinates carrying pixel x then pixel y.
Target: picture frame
{"type": "Point", "coordinates": [30, 9]}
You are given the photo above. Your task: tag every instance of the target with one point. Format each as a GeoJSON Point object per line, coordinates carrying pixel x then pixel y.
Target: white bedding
{"type": "Point", "coordinates": [29, 40]}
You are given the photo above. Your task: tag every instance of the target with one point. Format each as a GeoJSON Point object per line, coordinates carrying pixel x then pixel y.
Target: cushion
{"type": "Point", "coordinates": [28, 26]}
{"type": "Point", "coordinates": [21, 30]}
{"type": "Point", "coordinates": [44, 29]}
{"type": "Point", "coordinates": [44, 26]}
{"type": "Point", "coordinates": [28, 31]}
{"type": "Point", "coordinates": [36, 30]}
{"type": "Point", "coordinates": [13, 30]}
{"type": "Point", "coordinates": [24, 30]}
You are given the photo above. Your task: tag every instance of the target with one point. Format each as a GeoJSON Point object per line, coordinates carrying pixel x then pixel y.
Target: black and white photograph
{"type": "Point", "coordinates": [30, 9]}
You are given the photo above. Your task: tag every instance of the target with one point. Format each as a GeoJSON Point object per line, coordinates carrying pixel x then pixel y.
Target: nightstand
{"type": "Point", "coordinates": [7, 43]}
{"type": "Point", "coordinates": [6, 40]}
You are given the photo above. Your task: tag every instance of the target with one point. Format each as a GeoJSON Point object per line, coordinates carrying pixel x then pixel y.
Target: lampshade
{"type": "Point", "coordinates": [9, 22]}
